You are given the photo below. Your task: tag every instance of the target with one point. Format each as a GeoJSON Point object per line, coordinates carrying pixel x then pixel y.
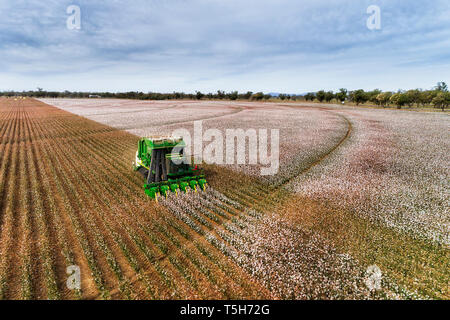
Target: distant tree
{"type": "Point", "coordinates": [267, 96]}
{"type": "Point", "coordinates": [442, 100]}
{"type": "Point", "coordinates": [447, 100]}
{"type": "Point", "coordinates": [320, 95]}
{"type": "Point", "coordinates": [329, 95]}
{"type": "Point", "coordinates": [372, 96]}
{"type": "Point", "coordinates": [426, 97]}
{"type": "Point", "coordinates": [383, 98]}
{"type": "Point", "coordinates": [233, 95]}
{"type": "Point", "coordinates": [177, 95]}
{"type": "Point", "coordinates": [341, 95]}
{"type": "Point", "coordinates": [441, 86]}
{"type": "Point", "coordinates": [358, 96]}
{"type": "Point", "coordinates": [258, 96]}
{"type": "Point", "coordinates": [220, 94]}
{"type": "Point", "coordinates": [199, 95]}
{"type": "Point", "coordinates": [40, 93]}
{"type": "Point", "coordinates": [413, 96]}
{"type": "Point", "coordinates": [310, 96]}
{"type": "Point", "coordinates": [248, 95]}
{"type": "Point", "coordinates": [399, 99]}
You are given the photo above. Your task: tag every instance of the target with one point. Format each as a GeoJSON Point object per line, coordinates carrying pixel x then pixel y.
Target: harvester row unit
{"type": "Point", "coordinates": [161, 160]}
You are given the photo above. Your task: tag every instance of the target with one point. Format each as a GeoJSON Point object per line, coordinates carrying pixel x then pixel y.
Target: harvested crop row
{"type": "Point", "coordinates": [9, 219]}
{"type": "Point", "coordinates": [79, 205]}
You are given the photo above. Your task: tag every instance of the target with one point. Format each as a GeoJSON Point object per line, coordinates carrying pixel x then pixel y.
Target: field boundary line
{"type": "Point", "coordinates": [329, 152]}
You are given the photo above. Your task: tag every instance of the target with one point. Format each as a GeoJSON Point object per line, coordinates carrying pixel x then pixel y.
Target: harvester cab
{"type": "Point", "coordinates": [161, 160]}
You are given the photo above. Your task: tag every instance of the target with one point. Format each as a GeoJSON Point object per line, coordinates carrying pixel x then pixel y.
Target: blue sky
{"type": "Point", "coordinates": [257, 45]}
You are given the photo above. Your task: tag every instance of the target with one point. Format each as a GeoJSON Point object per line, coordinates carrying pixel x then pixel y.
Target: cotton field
{"type": "Point", "coordinates": [357, 189]}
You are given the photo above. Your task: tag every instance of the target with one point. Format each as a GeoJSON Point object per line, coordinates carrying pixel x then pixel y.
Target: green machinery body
{"type": "Point", "coordinates": [161, 160]}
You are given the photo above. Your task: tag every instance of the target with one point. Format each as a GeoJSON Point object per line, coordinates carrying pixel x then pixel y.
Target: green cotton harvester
{"type": "Point", "coordinates": [161, 160]}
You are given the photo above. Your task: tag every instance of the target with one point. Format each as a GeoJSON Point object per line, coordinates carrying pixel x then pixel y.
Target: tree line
{"type": "Point", "coordinates": [219, 95]}
{"type": "Point", "coordinates": [438, 97]}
